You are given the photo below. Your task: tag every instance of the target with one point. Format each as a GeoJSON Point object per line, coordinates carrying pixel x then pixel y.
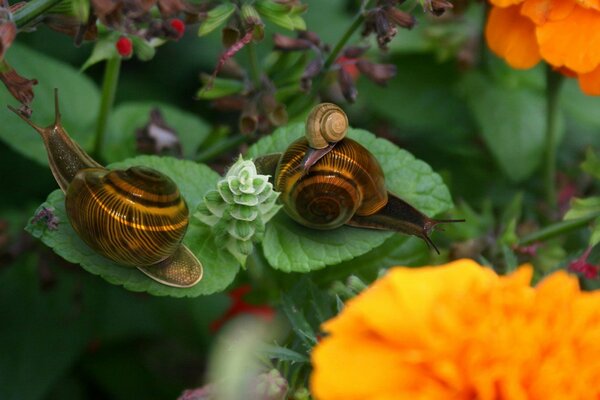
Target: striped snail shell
{"type": "Point", "coordinates": [134, 217]}
{"type": "Point", "coordinates": [326, 124]}
{"type": "Point", "coordinates": [346, 181]}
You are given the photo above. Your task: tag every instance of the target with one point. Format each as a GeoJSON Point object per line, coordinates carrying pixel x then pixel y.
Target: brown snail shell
{"type": "Point", "coordinates": [346, 181]}
{"type": "Point", "coordinates": [134, 217]}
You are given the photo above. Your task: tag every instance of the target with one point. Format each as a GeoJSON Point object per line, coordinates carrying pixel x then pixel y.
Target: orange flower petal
{"type": "Point", "coordinates": [542, 11]}
{"type": "Point", "coordinates": [512, 37]}
{"type": "Point", "coordinates": [505, 3]}
{"type": "Point", "coordinates": [590, 82]}
{"type": "Point", "coordinates": [573, 42]}
{"type": "Point", "coordinates": [593, 4]}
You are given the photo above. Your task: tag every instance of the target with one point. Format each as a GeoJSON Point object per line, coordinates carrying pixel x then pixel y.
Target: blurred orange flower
{"type": "Point", "coordinates": [460, 331]}
{"type": "Point", "coordinates": [564, 33]}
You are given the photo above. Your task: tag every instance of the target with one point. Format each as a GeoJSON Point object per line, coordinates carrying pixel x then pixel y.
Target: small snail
{"type": "Point", "coordinates": [326, 125]}
{"type": "Point", "coordinates": [345, 185]}
{"type": "Point", "coordinates": [134, 217]}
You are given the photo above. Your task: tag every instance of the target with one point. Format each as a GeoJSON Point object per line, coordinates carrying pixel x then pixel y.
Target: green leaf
{"type": "Point", "coordinates": [104, 49]}
{"type": "Point", "coordinates": [591, 164]}
{"type": "Point", "coordinates": [421, 98]}
{"type": "Point", "coordinates": [193, 181]}
{"type": "Point", "coordinates": [219, 87]}
{"type": "Point", "coordinates": [280, 14]}
{"type": "Point", "coordinates": [595, 236]}
{"type": "Point", "coordinates": [289, 246]}
{"type": "Point", "coordinates": [128, 117]}
{"type": "Point", "coordinates": [512, 123]}
{"type": "Point", "coordinates": [582, 208]}
{"type": "Point", "coordinates": [79, 102]}
{"type": "Point", "coordinates": [215, 18]}
{"type": "Point", "coordinates": [283, 354]}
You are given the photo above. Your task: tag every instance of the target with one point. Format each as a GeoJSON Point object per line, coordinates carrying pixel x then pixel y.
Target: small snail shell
{"type": "Point", "coordinates": [346, 181]}
{"type": "Point", "coordinates": [134, 217]}
{"type": "Point", "coordinates": [326, 124]}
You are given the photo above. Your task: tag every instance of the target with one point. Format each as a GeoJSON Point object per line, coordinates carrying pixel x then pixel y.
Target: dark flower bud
{"type": "Point", "coordinates": [437, 7]}
{"type": "Point", "coordinates": [401, 18]}
{"type": "Point", "coordinates": [310, 36]}
{"type": "Point", "coordinates": [286, 43]}
{"type": "Point", "coordinates": [355, 51]}
{"type": "Point", "coordinates": [249, 117]}
{"type": "Point", "coordinates": [171, 7]}
{"type": "Point", "coordinates": [378, 73]}
{"type": "Point", "coordinates": [347, 85]}
{"type": "Point", "coordinates": [312, 69]}
{"type": "Point", "coordinates": [229, 36]}
{"type": "Point", "coordinates": [229, 103]}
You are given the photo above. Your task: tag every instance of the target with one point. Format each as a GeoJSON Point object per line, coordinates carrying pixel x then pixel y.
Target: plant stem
{"type": "Point", "coordinates": [553, 84]}
{"type": "Point", "coordinates": [109, 88]}
{"type": "Point", "coordinates": [254, 66]}
{"type": "Point", "coordinates": [221, 146]}
{"type": "Point", "coordinates": [32, 10]}
{"type": "Point", "coordinates": [557, 229]}
{"type": "Point", "coordinates": [342, 42]}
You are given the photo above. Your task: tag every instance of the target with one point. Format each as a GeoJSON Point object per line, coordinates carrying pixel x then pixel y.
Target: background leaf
{"type": "Point", "coordinates": [128, 117]}
{"type": "Point", "coordinates": [289, 246]}
{"type": "Point", "coordinates": [79, 101]}
{"type": "Point", "coordinates": [193, 181]}
{"type": "Point", "coordinates": [511, 122]}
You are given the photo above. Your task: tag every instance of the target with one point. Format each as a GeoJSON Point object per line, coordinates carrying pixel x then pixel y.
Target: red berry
{"type": "Point", "coordinates": [124, 46]}
{"type": "Point", "coordinates": [179, 27]}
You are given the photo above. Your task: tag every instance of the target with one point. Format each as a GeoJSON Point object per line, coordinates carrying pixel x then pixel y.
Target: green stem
{"type": "Point", "coordinates": [557, 229]}
{"type": "Point", "coordinates": [109, 88]}
{"type": "Point", "coordinates": [221, 147]}
{"type": "Point", "coordinates": [32, 10]}
{"type": "Point", "coordinates": [254, 66]}
{"type": "Point", "coordinates": [342, 42]}
{"type": "Point", "coordinates": [553, 84]}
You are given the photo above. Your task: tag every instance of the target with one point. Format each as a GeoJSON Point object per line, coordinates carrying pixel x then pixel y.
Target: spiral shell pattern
{"type": "Point", "coordinates": [326, 123]}
{"type": "Point", "coordinates": [346, 181]}
{"type": "Point", "coordinates": [134, 217]}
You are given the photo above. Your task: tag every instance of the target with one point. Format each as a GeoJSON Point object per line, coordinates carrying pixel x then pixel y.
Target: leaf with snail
{"type": "Point", "coordinates": [289, 246]}
{"type": "Point", "coordinates": [193, 181]}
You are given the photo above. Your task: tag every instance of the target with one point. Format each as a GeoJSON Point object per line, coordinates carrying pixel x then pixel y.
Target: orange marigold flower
{"type": "Point", "coordinates": [460, 331]}
{"type": "Point", "coordinates": [564, 33]}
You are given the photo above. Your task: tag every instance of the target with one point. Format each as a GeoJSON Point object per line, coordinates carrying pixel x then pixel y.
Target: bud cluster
{"type": "Point", "coordinates": [239, 209]}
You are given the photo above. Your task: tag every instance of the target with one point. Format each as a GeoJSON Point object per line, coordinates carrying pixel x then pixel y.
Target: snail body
{"type": "Point", "coordinates": [135, 217]}
{"type": "Point", "coordinates": [343, 185]}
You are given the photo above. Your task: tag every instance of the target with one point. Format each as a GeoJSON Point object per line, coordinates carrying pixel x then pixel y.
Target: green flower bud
{"type": "Point", "coordinates": [238, 209]}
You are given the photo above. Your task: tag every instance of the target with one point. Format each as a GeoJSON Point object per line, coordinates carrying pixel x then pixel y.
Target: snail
{"type": "Point", "coordinates": [343, 186]}
{"type": "Point", "coordinates": [326, 125]}
{"type": "Point", "coordinates": [135, 217]}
